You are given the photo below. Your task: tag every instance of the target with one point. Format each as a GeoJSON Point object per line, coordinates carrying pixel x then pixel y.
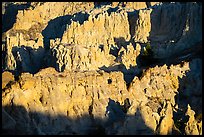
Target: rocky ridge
{"type": "Point", "coordinates": [85, 68]}
{"type": "Point", "coordinates": [98, 98]}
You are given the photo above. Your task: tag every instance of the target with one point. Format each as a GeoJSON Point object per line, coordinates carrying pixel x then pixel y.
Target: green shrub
{"type": "Point", "coordinates": [147, 50]}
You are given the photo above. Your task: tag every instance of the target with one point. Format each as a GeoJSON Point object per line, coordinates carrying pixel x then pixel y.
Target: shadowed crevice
{"type": "Point", "coordinates": [132, 18]}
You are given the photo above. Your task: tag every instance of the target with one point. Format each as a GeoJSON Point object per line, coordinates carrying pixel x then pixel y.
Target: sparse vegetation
{"type": "Point", "coordinates": [147, 50]}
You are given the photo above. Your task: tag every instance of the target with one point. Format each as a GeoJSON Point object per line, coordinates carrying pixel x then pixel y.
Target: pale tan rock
{"type": "Point", "coordinates": [6, 78]}
{"type": "Point", "coordinates": [149, 119]}
{"type": "Point", "coordinates": [154, 3]}
{"type": "Point", "coordinates": [10, 60]}
{"type": "Point", "coordinates": [191, 127]}
{"type": "Point", "coordinates": [21, 53]}
{"type": "Point", "coordinates": [77, 100]}
{"type": "Point", "coordinates": [129, 56]}
{"type": "Point", "coordinates": [106, 27]}
{"type": "Point", "coordinates": [167, 122]}
{"type": "Point", "coordinates": [28, 82]}
{"type": "Point", "coordinates": [45, 71]}
{"type": "Point", "coordinates": [135, 5]}
{"type": "Point", "coordinates": [103, 27]}
{"type": "Point", "coordinates": [50, 93]}
{"type": "Point", "coordinates": [157, 82]}
{"type": "Point", "coordinates": [143, 26]}
{"type": "Point", "coordinates": [39, 93]}
{"type": "Point", "coordinates": [114, 4]}
{"type": "Point", "coordinates": [47, 11]}
{"type": "Point", "coordinates": [78, 57]}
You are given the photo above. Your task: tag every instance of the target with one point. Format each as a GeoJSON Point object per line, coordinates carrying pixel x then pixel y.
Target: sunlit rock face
{"type": "Point", "coordinates": [113, 68]}
{"type": "Point", "coordinates": [96, 101]}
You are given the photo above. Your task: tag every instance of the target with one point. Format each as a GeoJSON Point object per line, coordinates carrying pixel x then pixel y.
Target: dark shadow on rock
{"type": "Point", "coordinates": [148, 4]}
{"type": "Point", "coordinates": [195, 51]}
{"type": "Point", "coordinates": [46, 43]}
{"type": "Point", "coordinates": [99, 4]}
{"type": "Point", "coordinates": [80, 17]}
{"type": "Point", "coordinates": [110, 10]}
{"type": "Point", "coordinates": [128, 74]}
{"type": "Point", "coordinates": [117, 115]}
{"type": "Point", "coordinates": [36, 123]}
{"type": "Point", "coordinates": [160, 31]}
{"type": "Point", "coordinates": [9, 17]}
{"type": "Point", "coordinates": [149, 60]}
{"type": "Point", "coordinates": [114, 50]}
{"type": "Point", "coordinates": [56, 27]}
{"type": "Point", "coordinates": [132, 18]}
{"type": "Point", "coordinates": [142, 127]}
{"type": "Point", "coordinates": [189, 93]}
{"type": "Point", "coordinates": [3, 55]}
{"type": "Point", "coordinates": [162, 34]}
{"type": "Point", "coordinates": [101, 47]}
{"type": "Point", "coordinates": [28, 59]}
{"type": "Point", "coordinates": [120, 42]}
{"type": "Point", "coordinates": [146, 60]}
{"type": "Point", "coordinates": [18, 121]}
{"type": "Point", "coordinates": [177, 58]}
{"type": "Point", "coordinates": [120, 67]}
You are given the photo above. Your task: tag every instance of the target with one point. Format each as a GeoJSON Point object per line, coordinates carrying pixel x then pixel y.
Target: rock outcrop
{"type": "Point", "coordinates": [110, 28]}
{"type": "Point", "coordinates": [7, 77]}
{"type": "Point", "coordinates": [102, 68]}
{"type": "Point", "coordinates": [81, 93]}
{"type": "Point", "coordinates": [96, 100]}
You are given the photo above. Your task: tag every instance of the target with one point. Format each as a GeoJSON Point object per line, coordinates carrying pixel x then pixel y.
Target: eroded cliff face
{"type": "Point", "coordinates": [106, 28]}
{"type": "Point", "coordinates": [102, 68]}
{"type": "Point", "coordinates": [82, 101]}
